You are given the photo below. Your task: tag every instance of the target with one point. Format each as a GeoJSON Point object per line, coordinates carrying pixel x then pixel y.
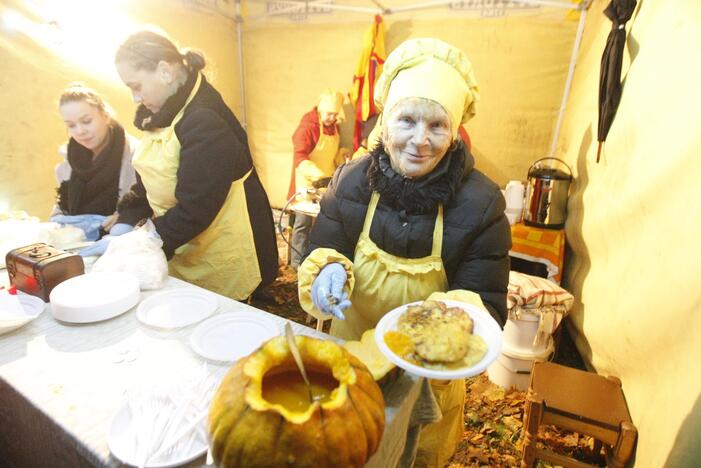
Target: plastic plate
{"type": "Point", "coordinates": [18, 310]}
{"type": "Point", "coordinates": [231, 336]}
{"type": "Point", "coordinates": [176, 308]}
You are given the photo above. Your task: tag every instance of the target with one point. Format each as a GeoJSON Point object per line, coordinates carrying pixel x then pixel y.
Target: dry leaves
{"type": "Point", "coordinates": [494, 427]}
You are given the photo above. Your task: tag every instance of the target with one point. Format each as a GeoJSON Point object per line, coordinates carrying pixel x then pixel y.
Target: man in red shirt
{"type": "Point", "coordinates": [317, 153]}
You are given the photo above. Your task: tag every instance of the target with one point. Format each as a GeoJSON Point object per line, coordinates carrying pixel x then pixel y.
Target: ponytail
{"type": "Point", "coordinates": [194, 59]}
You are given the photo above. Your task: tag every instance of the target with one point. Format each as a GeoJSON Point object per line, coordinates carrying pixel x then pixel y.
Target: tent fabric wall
{"type": "Point", "coordinates": [521, 64]}
{"type": "Point", "coordinates": [632, 265]}
{"type": "Point", "coordinates": [34, 74]}
{"type": "Point", "coordinates": [633, 225]}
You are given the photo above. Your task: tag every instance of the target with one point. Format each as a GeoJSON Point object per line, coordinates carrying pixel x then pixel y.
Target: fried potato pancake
{"type": "Point", "coordinates": [439, 333]}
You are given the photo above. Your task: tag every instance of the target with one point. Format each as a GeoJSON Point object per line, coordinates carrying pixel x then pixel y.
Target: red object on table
{"type": "Point", "coordinates": [541, 245]}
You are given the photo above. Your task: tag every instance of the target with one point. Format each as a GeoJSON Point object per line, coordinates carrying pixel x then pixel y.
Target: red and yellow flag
{"type": "Point", "coordinates": [368, 70]}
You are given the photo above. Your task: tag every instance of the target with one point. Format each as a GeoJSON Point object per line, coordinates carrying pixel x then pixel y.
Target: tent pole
{"type": "Point", "coordinates": [439, 3]}
{"type": "Point", "coordinates": [552, 4]}
{"type": "Point", "coordinates": [239, 44]}
{"type": "Point", "coordinates": [294, 7]}
{"type": "Point", "coordinates": [334, 6]}
{"type": "Point", "coordinates": [568, 82]}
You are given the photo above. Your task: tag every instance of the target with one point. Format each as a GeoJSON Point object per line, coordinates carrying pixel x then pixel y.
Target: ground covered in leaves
{"type": "Point", "coordinates": [493, 416]}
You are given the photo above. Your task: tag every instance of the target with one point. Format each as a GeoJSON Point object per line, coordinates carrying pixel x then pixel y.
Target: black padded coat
{"type": "Point", "coordinates": [214, 153]}
{"type": "Point", "coordinates": [476, 233]}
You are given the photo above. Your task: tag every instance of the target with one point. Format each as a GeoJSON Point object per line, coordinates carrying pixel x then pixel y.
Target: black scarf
{"type": "Point", "coordinates": [93, 187]}
{"type": "Point", "coordinates": [421, 195]}
{"type": "Point", "coordinates": [147, 120]}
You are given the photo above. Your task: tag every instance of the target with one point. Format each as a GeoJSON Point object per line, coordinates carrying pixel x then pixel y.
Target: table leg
{"type": "Point", "coordinates": [623, 449]}
{"type": "Point", "coordinates": [534, 413]}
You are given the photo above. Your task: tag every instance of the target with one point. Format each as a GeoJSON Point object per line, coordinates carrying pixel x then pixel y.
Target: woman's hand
{"type": "Point", "coordinates": [99, 247]}
{"type": "Point", "coordinates": [90, 224]}
{"type": "Point", "coordinates": [327, 290]}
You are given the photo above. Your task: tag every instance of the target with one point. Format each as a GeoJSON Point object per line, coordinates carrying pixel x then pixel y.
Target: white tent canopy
{"type": "Point", "coordinates": [632, 219]}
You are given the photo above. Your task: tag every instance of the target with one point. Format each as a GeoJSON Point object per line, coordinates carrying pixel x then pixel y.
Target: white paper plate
{"type": "Point", "coordinates": [120, 440]}
{"type": "Point", "coordinates": [485, 326]}
{"type": "Point", "coordinates": [176, 308]}
{"type": "Point", "coordinates": [93, 297]}
{"type": "Point", "coordinates": [231, 336]}
{"type": "Point", "coordinates": [18, 310]}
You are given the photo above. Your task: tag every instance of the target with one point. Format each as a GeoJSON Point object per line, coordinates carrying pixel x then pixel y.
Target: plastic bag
{"type": "Point", "coordinates": [137, 252]}
{"type": "Point", "coordinates": [18, 229]}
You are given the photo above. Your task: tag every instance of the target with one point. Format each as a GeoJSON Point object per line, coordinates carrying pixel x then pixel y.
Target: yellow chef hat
{"type": "Point", "coordinates": [431, 69]}
{"type": "Point", "coordinates": [331, 100]}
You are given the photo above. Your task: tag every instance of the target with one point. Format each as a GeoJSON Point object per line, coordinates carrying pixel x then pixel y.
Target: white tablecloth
{"type": "Point", "coordinates": [60, 385]}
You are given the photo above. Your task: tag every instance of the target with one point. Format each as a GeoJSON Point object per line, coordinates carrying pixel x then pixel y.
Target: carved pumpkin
{"type": "Point", "coordinates": [261, 414]}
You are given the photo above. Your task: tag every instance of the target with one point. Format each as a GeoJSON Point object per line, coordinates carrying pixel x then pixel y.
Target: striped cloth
{"type": "Point", "coordinates": [535, 295]}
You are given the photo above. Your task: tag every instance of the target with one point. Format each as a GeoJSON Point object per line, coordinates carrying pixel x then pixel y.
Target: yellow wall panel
{"type": "Point", "coordinates": [520, 63]}
{"type": "Point", "coordinates": [633, 222]}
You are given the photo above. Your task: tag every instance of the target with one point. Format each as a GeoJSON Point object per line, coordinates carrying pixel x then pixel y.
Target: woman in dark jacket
{"type": "Point", "coordinates": [97, 169]}
{"type": "Point", "coordinates": [195, 174]}
{"type": "Point", "coordinates": [412, 220]}
{"type": "Point", "coordinates": [476, 236]}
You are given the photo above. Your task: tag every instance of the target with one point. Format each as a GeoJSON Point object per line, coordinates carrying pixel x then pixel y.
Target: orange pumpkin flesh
{"type": "Point", "coordinates": [344, 429]}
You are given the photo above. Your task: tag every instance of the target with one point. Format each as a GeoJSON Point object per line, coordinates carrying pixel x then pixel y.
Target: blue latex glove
{"type": "Point", "coordinates": [327, 290]}
{"type": "Point", "coordinates": [121, 228]}
{"type": "Point", "coordinates": [99, 247]}
{"type": "Point", "coordinates": [89, 223]}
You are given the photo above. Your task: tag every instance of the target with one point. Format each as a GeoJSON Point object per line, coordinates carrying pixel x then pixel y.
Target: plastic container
{"type": "Point", "coordinates": [513, 369]}
{"type": "Point", "coordinates": [519, 333]}
{"type": "Point", "coordinates": [514, 194]}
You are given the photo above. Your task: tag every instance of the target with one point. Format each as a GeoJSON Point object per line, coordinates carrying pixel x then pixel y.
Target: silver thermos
{"type": "Point", "coordinates": [546, 194]}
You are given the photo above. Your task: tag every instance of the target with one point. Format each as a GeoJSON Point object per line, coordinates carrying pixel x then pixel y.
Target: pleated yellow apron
{"type": "Point", "coordinates": [384, 281]}
{"type": "Point", "coordinates": [223, 257]}
{"type": "Point", "coordinates": [323, 155]}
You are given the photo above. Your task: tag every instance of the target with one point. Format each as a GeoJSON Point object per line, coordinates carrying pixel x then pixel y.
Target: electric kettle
{"type": "Point", "coordinates": [546, 194]}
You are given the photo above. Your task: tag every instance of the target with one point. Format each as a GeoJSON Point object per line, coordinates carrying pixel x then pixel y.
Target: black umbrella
{"type": "Point", "coordinates": [619, 12]}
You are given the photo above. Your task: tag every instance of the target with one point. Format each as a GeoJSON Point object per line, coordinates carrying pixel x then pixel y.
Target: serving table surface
{"type": "Point", "coordinates": [61, 384]}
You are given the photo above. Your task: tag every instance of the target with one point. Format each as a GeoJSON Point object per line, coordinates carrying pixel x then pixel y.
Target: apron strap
{"type": "Point", "coordinates": [371, 212]}
{"type": "Point", "coordinates": [436, 247]}
{"type": "Point", "coordinates": [246, 175]}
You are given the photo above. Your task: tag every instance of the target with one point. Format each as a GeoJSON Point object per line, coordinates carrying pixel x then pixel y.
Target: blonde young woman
{"type": "Point", "coordinates": [413, 219]}
{"type": "Point", "coordinates": [97, 170]}
{"type": "Point", "coordinates": [195, 174]}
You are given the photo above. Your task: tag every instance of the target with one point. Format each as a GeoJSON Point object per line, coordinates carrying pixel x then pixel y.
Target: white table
{"type": "Point", "coordinates": [60, 385]}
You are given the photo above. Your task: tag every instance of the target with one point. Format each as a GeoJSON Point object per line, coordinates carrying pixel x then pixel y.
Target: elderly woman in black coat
{"type": "Point", "coordinates": [414, 219]}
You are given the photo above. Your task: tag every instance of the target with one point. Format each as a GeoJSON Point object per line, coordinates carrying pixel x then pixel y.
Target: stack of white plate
{"type": "Point", "coordinates": [94, 297]}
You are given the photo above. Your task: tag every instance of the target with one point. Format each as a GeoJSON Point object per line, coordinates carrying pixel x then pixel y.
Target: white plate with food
{"type": "Point", "coordinates": [18, 309]}
{"type": "Point", "coordinates": [442, 340]}
{"type": "Point", "coordinates": [176, 308]}
{"type": "Point", "coordinates": [231, 336]}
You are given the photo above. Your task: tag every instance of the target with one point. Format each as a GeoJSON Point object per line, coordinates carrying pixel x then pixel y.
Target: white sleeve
{"type": "Point", "coordinates": [62, 169]}
{"type": "Point", "coordinates": [127, 175]}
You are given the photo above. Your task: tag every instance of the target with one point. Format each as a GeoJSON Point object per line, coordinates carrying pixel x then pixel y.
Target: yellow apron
{"type": "Point", "coordinates": [223, 257]}
{"type": "Point", "coordinates": [324, 158]}
{"type": "Point", "coordinates": [383, 282]}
